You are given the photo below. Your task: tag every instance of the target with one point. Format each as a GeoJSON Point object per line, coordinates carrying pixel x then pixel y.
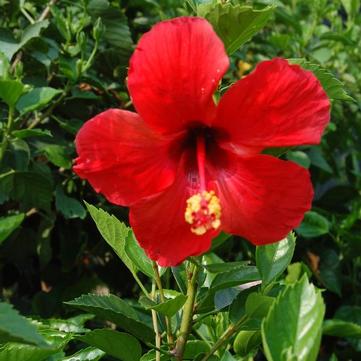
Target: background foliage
{"type": "Point", "coordinates": [65, 61]}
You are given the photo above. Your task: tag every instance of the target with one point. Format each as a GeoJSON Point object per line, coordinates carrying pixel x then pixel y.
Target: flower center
{"type": "Point", "coordinates": [203, 212]}
{"type": "Point", "coordinates": [203, 209]}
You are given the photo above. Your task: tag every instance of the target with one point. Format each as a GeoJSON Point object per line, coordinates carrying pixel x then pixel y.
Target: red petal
{"type": "Point", "coordinates": [174, 71]}
{"type": "Point", "coordinates": [122, 158]}
{"type": "Point", "coordinates": [263, 198]}
{"type": "Point", "coordinates": [277, 105]}
{"type": "Point", "coordinates": [160, 227]}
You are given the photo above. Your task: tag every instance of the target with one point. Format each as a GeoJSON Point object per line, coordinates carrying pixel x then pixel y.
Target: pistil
{"type": "Point", "coordinates": [203, 209]}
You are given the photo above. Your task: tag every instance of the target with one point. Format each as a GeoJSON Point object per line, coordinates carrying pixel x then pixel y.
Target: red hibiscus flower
{"type": "Point", "coordinates": [189, 168]}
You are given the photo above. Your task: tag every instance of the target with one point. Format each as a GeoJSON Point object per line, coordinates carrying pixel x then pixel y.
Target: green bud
{"type": "Point", "coordinates": [98, 29]}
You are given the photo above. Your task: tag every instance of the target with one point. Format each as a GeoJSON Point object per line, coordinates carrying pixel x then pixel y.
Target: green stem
{"type": "Point", "coordinates": [168, 320]}
{"type": "Point", "coordinates": [188, 310]}
{"type": "Point", "coordinates": [230, 331]}
{"type": "Point", "coordinates": [158, 337]}
{"type": "Point", "coordinates": [6, 133]}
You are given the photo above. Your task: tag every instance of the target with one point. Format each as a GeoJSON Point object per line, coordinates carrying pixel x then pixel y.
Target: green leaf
{"type": "Point", "coordinates": [299, 157]}
{"type": "Point", "coordinates": [137, 255]}
{"type": "Point", "coordinates": [234, 24]}
{"type": "Point", "coordinates": [10, 46]}
{"type": "Point", "coordinates": [273, 259]}
{"type": "Point", "coordinates": [225, 267]}
{"type": "Point", "coordinates": [57, 154]}
{"type": "Point", "coordinates": [15, 328]}
{"type": "Point", "coordinates": [117, 31]}
{"type": "Point", "coordinates": [27, 133]}
{"type": "Point", "coordinates": [235, 278]}
{"type": "Point", "coordinates": [116, 310]}
{"type": "Point", "coordinates": [194, 348]}
{"type": "Point", "coordinates": [168, 308]}
{"type": "Point", "coordinates": [151, 356]}
{"type": "Point", "coordinates": [313, 225]}
{"type": "Point", "coordinates": [293, 327]}
{"type": "Point", "coordinates": [87, 354]}
{"type": "Point", "coordinates": [246, 341]}
{"type": "Point", "coordinates": [341, 328]}
{"type": "Point", "coordinates": [332, 86]}
{"type": "Point", "coordinates": [114, 232]}
{"type": "Point", "coordinates": [117, 344]}
{"type": "Point", "coordinates": [257, 305]}
{"type": "Point", "coordinates": [8, 225]}
{"type": "Point", "coordinates": [10, 91]}
{"type": "Point", "coordinates": [18, 155]}
{"type": "Point", "coordinates": [36, 99]}
{"type": "Point", "coordinates": [69, 207]}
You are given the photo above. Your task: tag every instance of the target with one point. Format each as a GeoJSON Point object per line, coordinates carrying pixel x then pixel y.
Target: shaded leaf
{"type": "Point", "coordinates": [341, 328]}
{"type": "Point", "coordinates": [87, 354]}
{"type": "Point", "coordinates": [313, 225]}
{"type": "Point", "coordinates": [10, 91]}
{"type": "Point", "coordinates": [69, 207]}
{"type": "Point", "coordinates": [8, 224]}
{"type": "Point", "coordinates": [117, 344]}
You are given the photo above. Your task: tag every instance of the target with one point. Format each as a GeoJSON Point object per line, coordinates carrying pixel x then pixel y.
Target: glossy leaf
{"type": "Point", "coordinates": [293, 327]}
{"type": "Point", "coordinates": [273, 259]}
{"type": "Point", "coordinates": [120, 345]}
{"type": "Point", "coordinates": [169, 307]}
{"type": "Point", "coordinates": [116, 310]}
{"type": "Point", "coordinates": [235, 278]}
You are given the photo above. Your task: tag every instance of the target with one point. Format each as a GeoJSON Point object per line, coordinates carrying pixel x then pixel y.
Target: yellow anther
{"type": "Point", "coordinates": [203, 212]}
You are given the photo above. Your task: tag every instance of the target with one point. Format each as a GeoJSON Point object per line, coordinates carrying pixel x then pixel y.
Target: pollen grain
{"type": "Point", "coordinates": [203, 212]}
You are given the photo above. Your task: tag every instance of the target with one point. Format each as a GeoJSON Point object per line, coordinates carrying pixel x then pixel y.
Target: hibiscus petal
{"type": "Point", "coordinates": [278, 104]}
{"type": "Point", "coordinates": [122, 158]}
{"type": "Point", "coordinates": [160, 227]}
{"type": "Point", "coordinates": [263, 198]}
{"type": "Point", "coordinates": [174, 71]}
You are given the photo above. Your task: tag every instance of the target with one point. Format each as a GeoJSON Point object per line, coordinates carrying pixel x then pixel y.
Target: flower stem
{"type": "Point", "coordinates": [6, 133]}
{"type": "Point", "coordinates": [158, 337]}
{"type": "Point", "coordinates": [168, 320]}
{"type": "Point", "coordinates": [188, 310]}
{"type": "Point", "coordinates": [227, 334]}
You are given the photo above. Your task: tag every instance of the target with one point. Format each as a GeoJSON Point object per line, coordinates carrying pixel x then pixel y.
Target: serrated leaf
{"type": "Point", "coordinates": [8, 225]}
{"type": "Point", "coordinates": [87, 354]}
{"type": "Point", "coordinates": [313, 225]}
{"type": "Point", "coordinates": [234, 24]}
{"type": "Point", "coordinates": [116, 310]}
{"type": "Point", "coordinates": [15, 328]}
{"type": "Point", "coordinates": [332, 86]}
{"type": "Point", "coordinates": [273, 259]}
{"type": "Point", "coordinates": [57, 154]}
{"type": "Point", "coordinates": [294, 324]}
{"type": "Point", "coordinates": [341, 328]}
{"type": "Point", "coordinates": [117, 344]}
{"type": "Point", "coordinates": [114, 232]}
{"type": "Point", "coordinates": [36, 99]}
{"type": "Point", "coordinates": [69, 207]}
{"type": "Point", "coordinates": [10, 91]}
